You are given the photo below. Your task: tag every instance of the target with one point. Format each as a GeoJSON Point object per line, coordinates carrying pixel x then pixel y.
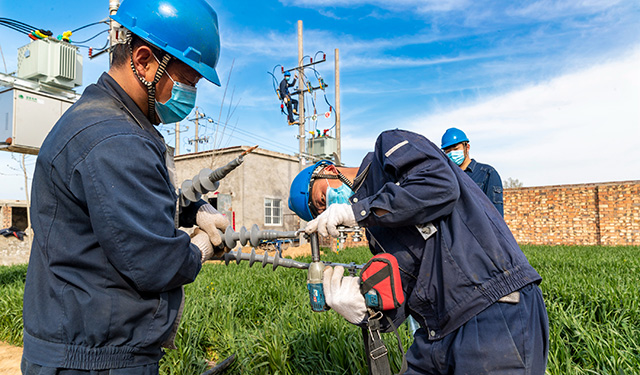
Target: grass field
{"type": "Point", "coordinates": [263, 316]}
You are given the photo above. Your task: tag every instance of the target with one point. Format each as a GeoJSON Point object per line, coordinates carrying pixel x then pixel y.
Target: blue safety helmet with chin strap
{"type": "Point", "coordinates": [185, 29]}
{"type": "Point", "coordinates": [452, 137]}
{"type": "Point", "coordinates": [300, 192]}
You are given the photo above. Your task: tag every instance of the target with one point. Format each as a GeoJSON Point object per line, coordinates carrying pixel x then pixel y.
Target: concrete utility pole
{"type": "Point", "coordinates": [113, 26]}
{"type": "Point", "coordinates": [301, 129]}
{"type": "Point", "coordinates": [301, 89]}
{"type": "Point", "coordinates": [177, 150]}
{"type": "Point", "coordinates": [337, 74]}
{"type": "Point", "coordinates": [197, 139]}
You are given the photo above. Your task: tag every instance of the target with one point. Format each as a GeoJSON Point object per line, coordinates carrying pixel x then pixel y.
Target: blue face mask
{"type": "Point", "coordinates": [338, 195]}
{"type": "Point", "coordinates": [457, 156]}
{"type": "Point", "coordinates": [178, 107]}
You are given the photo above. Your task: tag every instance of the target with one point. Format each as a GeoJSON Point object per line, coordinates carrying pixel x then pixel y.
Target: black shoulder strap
{"type": "Point", "coordinates": [376, 352]}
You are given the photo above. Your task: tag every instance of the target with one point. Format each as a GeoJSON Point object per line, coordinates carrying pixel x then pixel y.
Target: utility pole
{"type": "Point", "coordinates": [337, 74]}
{"type": "Point", "coordinates": [197, 139]}
{"type": "Point", "coordinates": [177, 150]}
{"type": "Point", "coordinates": [113, 26]}
{"type": "Point", "coordinates": [301, 89]}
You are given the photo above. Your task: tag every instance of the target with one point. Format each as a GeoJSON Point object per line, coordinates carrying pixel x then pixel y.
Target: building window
{"type": "Point", "coordinates": [272, 211]}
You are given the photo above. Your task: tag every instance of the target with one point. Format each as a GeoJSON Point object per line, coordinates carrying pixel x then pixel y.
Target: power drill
{"type": "Point", "coordinates": [314, 278]}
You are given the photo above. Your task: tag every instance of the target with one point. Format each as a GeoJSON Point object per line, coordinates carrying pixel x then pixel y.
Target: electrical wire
{"type": "Point", "coordinates": [18, 26]}
{"type": "Point", "coordinates": [257, 139]}
{"type": "Point", "coordinates": [90, 24]}
{"type": "Point", "coordinates": [93, 37]}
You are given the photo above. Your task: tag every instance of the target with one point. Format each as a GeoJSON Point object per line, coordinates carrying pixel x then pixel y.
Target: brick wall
{"type": "Point", "coordinates": [584, 214]}
{"type": "Point", "coordinates": [5, 215]}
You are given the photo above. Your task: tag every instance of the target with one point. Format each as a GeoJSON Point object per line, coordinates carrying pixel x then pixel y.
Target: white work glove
{"type": "Point", "coordinates": [342, 294]}
{"type": "Point", "coordinates": [200, 238]}
{"type": "Point", "coordinates": [336, 214]}
{"type": "Point", "coordinates": [210, 220]}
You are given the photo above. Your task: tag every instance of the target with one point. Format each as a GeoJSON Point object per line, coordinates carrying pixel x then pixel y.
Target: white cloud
{"type": "Point", "coordinates": [549, 9]}
{"type": "Point", "coordinates": [577, 128]}
{"type": "Point", "coordinates": [422, 5]}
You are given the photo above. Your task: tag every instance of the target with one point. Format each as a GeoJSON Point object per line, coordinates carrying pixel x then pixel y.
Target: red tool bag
{"type": "Point", "coordinates": [381, 284]}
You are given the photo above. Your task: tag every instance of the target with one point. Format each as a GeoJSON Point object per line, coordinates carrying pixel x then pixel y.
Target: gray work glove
{"type": "Point", "coordinates": [328, 221]}
{"type": "Point", "coordinates": [342, 294]}
{"type": "Point", "coordinates": [210, 220]}
{"type": "Point", "coordinates": [201, 239]}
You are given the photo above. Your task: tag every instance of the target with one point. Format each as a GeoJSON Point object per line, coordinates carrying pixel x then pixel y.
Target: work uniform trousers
{"type": "Point", "coordinates": [504, 339]}
{"type": "Point", "coordinates": [29, 368]}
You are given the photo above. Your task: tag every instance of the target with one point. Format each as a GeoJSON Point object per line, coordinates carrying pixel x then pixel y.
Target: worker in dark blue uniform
{"type": "Point", "coordinates": [104, 288]}
{"type": "Point", "coordinates": [455, 144]}
{"type": "Point", "coordinates": [464, 277]}
{"type": "Point", "coordinates": [292, 104]}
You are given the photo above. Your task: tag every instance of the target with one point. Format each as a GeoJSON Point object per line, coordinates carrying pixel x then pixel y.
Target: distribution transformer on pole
{"type": "Point", "coordinates": [33, 100]}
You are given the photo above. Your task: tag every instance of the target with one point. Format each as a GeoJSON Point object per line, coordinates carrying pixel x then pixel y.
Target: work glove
{"type": "Point", "coordinates": [342, 294]}
{"type": "Point", "coordinates": [201, 239]}
{"type": "Point", "coordinates": [210, 220]}
{"type": "Point", "coordinates": [336, 214]}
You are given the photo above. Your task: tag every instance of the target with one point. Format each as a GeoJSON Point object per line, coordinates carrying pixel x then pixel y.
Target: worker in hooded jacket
{"type": "Point", "coordinates": [465, 279]}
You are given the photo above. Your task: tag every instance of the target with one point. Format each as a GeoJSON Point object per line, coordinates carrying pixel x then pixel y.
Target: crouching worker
{"type": "Point", "coordinates": [464, 277]}
{"type": "Point", "coordinates": [103, 293]}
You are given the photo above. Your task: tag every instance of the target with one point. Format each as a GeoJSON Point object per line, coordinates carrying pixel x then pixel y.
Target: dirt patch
{"type": "Point", "coordinates": [290, 252]}
{"type": "Point", "coordinates": [10, 357]}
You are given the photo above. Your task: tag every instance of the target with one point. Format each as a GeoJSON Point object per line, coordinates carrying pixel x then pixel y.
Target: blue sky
{"type": "Point", "coordinates": [547, 91]}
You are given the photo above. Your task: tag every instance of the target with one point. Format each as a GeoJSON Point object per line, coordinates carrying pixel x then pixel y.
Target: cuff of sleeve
{"type": "Point", "coordinates": [187, 217]}
{"type": "Point", "coordinates": [362, 210]}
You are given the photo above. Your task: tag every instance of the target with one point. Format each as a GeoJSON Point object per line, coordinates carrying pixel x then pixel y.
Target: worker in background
{"type": "Point", "coordinates": [292, 104]}
{"type": "Point", "coordinates": [464, 277]}
{"type": "Point", "coordinates": [456, 145]}
{"type": "Point", "coordinates": [104, 292]}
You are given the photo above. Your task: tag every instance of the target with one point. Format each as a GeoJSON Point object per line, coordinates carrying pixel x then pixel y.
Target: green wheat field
{"type": "Point", "coordinates": [263, 316]}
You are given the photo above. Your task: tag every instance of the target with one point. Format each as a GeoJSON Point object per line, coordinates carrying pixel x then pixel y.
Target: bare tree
{"type": "Point", "coordinates": [512, 183]}
{"type": "Point", "coordinates": [25, 173]}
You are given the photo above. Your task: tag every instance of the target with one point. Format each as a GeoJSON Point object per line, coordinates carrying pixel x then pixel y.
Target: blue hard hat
{"type": "Point", "coordinates": [287, 74]}
{"type": "Point", "coordinates": [452, 137]}
{"type": "Point", "coordinates": [186, 29]}
{"type": "Point", "coordinates": [300, 192]}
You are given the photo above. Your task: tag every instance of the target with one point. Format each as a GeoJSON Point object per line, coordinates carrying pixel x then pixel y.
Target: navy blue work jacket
{"type": "Point", "coordinates": [470, 262]}
{"type": "Point", "coordinates": [284, 87]}
{"type": "Point", "coordinates": [107, 264]}
{"type": "Point", "coordinates": [488, 180]}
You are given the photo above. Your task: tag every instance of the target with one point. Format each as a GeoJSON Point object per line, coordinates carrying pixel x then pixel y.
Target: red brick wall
{"type": "Point", "coordinates": [585, 214]}
{"type": "Point", "coordinates": [5, 214]}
